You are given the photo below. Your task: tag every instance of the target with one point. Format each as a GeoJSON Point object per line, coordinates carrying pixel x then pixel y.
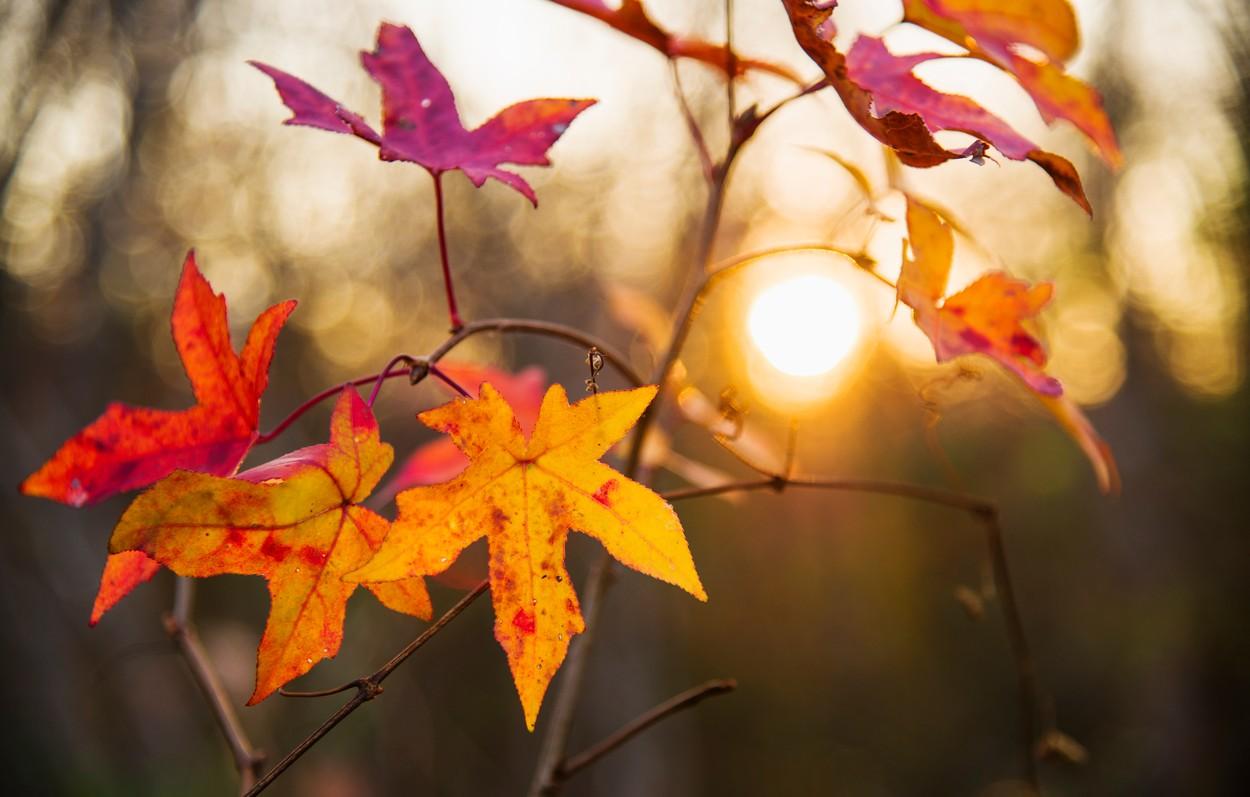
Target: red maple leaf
{"type": "Point", "coordinates": [902, 112]}
{"type": "Point", "coordinates": [131, 447]}
{"type": "Point", "coordinates": [998, 31]}
{"type": "Point", "coordinates": [420, 123]}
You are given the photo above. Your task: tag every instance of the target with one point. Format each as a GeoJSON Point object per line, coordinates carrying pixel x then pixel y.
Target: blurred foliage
{"type": "Point", "coordinates": [133, 129]}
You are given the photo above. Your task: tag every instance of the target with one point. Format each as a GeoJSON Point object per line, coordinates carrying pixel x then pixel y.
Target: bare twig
{"type": "Point", "coordinates": [779, 482]}
{"type": "Point", "coordinates": [521, 325]}
{"type": "Point", "coordinates": [692, 125]}
{"type": "Point", "coordinates": [329, 392]}
{"type": "Point", "coordinates": [668, 708]}
{"type": "Point", "coordinates": [247, 759]}
{"type": "Point", "coordinates": [385, 373]}
{"type": "Point", "coordinates": [545, 328]}
{"type": "Point", "coordinates": [731, 64]}
{"type": "Point", "coordinates": [560, 719]}
{"type": "Point", "coordinates": [1026, 674]}
{"type": "Point", "coordinates": [987, 514]}
{"type": "Point", "coordinates": [724, 268]}
{"type": "Point", "coordinates": [366, 689]}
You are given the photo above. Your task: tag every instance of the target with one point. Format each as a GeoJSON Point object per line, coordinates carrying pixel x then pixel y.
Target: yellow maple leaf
{"type": "Point", "coordinates": [297, 522]}
{"type": "Point", "coordinates": [525, 496]}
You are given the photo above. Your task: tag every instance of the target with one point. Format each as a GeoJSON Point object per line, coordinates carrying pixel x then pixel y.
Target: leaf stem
{"type": "Point", "coordinates": [299, 411]}
{"type": "Point", "coordinates": [179, 627]}
{"type": "Point", "coordinates": [384, 374]}
{"type": "Point", "coordinates": [366, 689]}
{"type": "Point", "coordinates": [439, 213]}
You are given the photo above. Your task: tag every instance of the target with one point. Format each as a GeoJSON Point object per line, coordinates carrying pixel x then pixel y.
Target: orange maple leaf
{"type": "Point", "coordinates": [295, 521]}
{"type": "Point", "coordinates": [985, 318]}
{"type": "Point", "coordinates": [130, 447]}
{"type": "Point", "coordinates": [524, 496]}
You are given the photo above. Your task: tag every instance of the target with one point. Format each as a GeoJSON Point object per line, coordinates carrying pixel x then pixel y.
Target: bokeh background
{"type": "Point", "coordinates": [132, 130]}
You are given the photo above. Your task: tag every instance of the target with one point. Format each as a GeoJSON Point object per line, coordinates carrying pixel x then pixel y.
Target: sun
{"type": "Point", "coordinates": [804, 326]}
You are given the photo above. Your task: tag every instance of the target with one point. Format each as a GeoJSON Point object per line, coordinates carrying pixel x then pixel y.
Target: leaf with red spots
{"type": "Point", "coordinates": [632, 19]}
{"type": "Point", "coordinates": [985, 318]}
{"type": "Point", "coordinates": [903, 112]}
{"type": "Point", "coordinates": [440, 460]}
{"type": "Point", "coordinates": [130, 447]}
{"type": "Point", "coordinates": [1001, 31]}
{"type": "Point", "coordinates": [420, 123]}
{"type": "Point", "coordinates": [524, 496]}
{"type": "Point", "coordinates": [295, 521]}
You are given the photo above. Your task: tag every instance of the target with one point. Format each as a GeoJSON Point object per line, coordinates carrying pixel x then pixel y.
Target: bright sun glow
{"type": "Point", "coordinates": [804, 326]}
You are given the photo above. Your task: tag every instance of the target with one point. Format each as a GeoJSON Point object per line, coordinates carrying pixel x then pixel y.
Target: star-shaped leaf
{"type": "Point", "coordinates": [295, 521]}
{"type": "Point", "coordinates": [903, 112]}
{"type": "Point", "coordinates": [420, 122]}
{"type": "Point", "coordinates": [131, 447]}
{"type": "Point", "coordinates": [524, 496]}
{"type": "Point", "coordinates": [985, 318]}
{"type": "Point", "coordinates": [440, 460]}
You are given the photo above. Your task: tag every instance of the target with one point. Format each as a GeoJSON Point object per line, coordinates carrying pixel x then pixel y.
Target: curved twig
{"type": "Point", "coordinates": [986, 512]}
{"type": "Point", "coordinates": [367, 688]}
{"type": "Point", "coordinates": [178, 625]}
{"type": "Point", "coordinates": [548, 329]}
{"type": "Point", "coordinates": [524, 325]}
{"type": "Point", "coordinates": [687, 699]}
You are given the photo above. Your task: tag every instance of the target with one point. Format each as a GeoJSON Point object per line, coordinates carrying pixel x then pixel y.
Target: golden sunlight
{"type": "Point", "coordinates": [805, 325]}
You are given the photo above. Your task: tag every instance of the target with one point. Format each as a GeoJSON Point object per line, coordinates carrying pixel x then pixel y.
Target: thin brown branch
{"type": "Point", "coordinates": [987, 514]}
{"type": "Point", "coordinates": [692, 125]}
{"type": "Point", "coordinates": [726, 267]}
{"type": "Point", "coordinates": [811, 88]}
{"type": "Point", "coordinates": [1026, 673]}
{"type": "Point", "coordinates": [544, 328]}
{"type": "Point", "coordinates": [329, 392]}
{"type": "Point", "coordinates": [731, 65]}
{"type": "Point", "coordinates": [668, 708]}
{"type": "Point", "coordinates": [778, 482]}
{"type": "Point", "coordinates": [366, 689]}
{"type": "Point", "coordinates": [560, 723]}
{"type": "Point", "coordinates": [384, 374]}
{"type": "Point", "coordinates": [247, 759]}
{"type": "Point", "coordinates": [502, 325]}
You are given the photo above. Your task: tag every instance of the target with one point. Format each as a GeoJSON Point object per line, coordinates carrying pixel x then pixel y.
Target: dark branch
{"type": "Point", "coordinates": [987, 514]}
{"type": "Point", "coordinates": [418, 367]}
{"type": "Point", "coordinates": [366, 689]}
{"type": "Point", "coordinates": [247, 759]}
{"type": "Point", "coordinates": [668, 708]}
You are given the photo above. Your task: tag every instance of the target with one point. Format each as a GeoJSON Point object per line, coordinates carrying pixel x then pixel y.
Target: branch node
{"type": "Point", "coordinates": [173, 628]}
{"type": "Point", "coordinates": [420, 370]}
{"type": "Point", "coordinates": [369, 688]}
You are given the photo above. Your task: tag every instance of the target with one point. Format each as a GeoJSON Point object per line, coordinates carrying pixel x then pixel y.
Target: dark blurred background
{"type": "Point", "coordinates": [132, 130]}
